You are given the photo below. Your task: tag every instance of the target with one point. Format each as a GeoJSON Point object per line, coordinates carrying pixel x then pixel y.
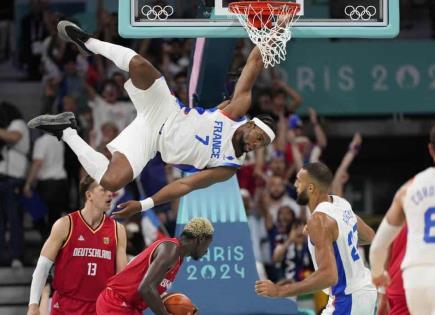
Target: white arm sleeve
{"type": "Point", "coordinates": [385, 235]}
{"type": "Point", "coordinates": [39, 278]}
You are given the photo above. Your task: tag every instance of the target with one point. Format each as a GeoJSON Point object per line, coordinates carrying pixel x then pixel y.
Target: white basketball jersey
{"type": "Point", "coordinates": [196, 138]}
{"type": "Point", "coordinates": [352, 274]}
{"type": "Point", "coordinates": [419, 207]}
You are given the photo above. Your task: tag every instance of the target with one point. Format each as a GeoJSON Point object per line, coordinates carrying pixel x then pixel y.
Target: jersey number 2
{"type": "Point", "coordinates": [429, 223]}
{"type": "Point", "coordinates": [352, 245]}
{"type": "Point", "coordinates": [92, 269]}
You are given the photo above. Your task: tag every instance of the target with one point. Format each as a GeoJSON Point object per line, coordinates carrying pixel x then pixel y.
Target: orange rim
{"type": "Point", "coordinates": [266, 7]}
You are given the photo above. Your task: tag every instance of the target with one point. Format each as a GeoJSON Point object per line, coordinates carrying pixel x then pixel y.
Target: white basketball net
{"type": "Point", "coordinates": [272, 36]}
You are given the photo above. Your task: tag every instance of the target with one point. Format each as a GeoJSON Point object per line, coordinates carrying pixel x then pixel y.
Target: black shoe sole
{"type": "Point", "coordinates": [52, 120]}
{"type": "Point", "coordinates": [61, 28]}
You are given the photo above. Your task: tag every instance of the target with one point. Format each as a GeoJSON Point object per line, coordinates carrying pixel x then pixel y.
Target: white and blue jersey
{"type": "Point", "coordinates": [354, 292]}
{"type": "Point", "coordinates": [197, 138]}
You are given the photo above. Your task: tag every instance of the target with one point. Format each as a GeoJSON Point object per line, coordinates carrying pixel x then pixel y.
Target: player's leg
{"type": "Point", "coordinates": [363, 302]}
{"type": "Point", "coordinates": [111, 175]}
{"type": "Point", "coordinates": [142, 72]}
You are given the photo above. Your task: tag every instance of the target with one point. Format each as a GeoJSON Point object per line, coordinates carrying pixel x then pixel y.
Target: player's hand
{"type": "Point", "coordinates": [266, 288]}
{"type": "Point", "coordinates": [382, 281]}
{"type": "Point", "coordinates": [127, 209]}
{"type": "Point", "coordinates": [33, 309]}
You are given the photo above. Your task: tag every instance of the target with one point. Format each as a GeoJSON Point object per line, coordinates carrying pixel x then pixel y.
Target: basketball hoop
{"type": "Point", "coordinates": [268, 24]}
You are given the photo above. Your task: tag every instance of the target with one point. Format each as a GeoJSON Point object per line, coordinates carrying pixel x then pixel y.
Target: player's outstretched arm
{"type": "Point", "coordinates": [385, 235]}
{"type": "Point", "coordinates": [176, 189]}
{"type": "Point", "coordinates": [59, 234]}
{"type": "Point", "coordinates": [121, 248]}
{"type": "Point", "coordinates": [323, 231]}
{"type": "Point", "coordinates": [241, 100]}
{"type": "Point", "coordinates": [164, 257]}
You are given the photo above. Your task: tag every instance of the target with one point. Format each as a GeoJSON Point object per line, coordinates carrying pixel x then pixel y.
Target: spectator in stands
{"type": "Point", "coordinates": [341, 176]}
{"type": "Point", "coordinates": [292, 255]}
{"type": "Point", "coordinates": [52, 50]}
{"type": "Point", "coordinates": [107, 108]}
{"type": "Point", "coordinates": [278, 232]}
{"type": "Point", "coordinates": [180, 87]}
{"type": "Point", "coordinates": [310, 151]}
{"type": "Point", "coordinates": [275, 197]}
{"type": "Point", "coordinates": [47, 174]}
{"type": "Point", "coordinates": [15, 144]}
{"type": "Point", "coordinates": [74, 74]}
{"type": "Point", "coordinates": [109, 131]}
{"type": "Point", "coordinates": [33, 32]}
{"type": "Point", "coordinates": [285, 99]}
{"type": "Point", "coordinates": [119, 80]}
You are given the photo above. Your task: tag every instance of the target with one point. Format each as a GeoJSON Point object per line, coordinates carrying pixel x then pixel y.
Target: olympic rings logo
{"type": "Point", "coordinates": [360, 12]}
{"type": "Point", "coordinates": [157, 12]}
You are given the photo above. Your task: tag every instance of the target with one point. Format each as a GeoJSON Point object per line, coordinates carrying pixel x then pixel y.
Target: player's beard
{"type": "Point", "coordinates": [302, 198]}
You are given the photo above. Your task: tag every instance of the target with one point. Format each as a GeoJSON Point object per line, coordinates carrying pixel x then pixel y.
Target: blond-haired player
{"type": "Point", "coordinates": [151, 273]}
{"type": "Point", "coordinates": [414, 203]}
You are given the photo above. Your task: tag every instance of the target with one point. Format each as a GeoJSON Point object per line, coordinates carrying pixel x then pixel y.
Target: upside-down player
{"type": "Point", "coordinates": [212, 141]}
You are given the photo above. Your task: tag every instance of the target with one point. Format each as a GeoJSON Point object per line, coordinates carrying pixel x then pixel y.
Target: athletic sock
{"type": "Point", "coordinates": [120, 55]}
{"type": "Point", "coordinates": [94, 163]}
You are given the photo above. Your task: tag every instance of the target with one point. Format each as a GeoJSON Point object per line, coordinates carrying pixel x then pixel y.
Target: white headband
{"type": "Point", "coordinates": [265, 128]}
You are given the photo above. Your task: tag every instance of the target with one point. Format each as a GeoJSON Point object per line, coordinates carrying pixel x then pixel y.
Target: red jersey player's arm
{"type": "Point", "coordinates": [164, 257]}
{"type": "Point", "coordinates": [58, 236]}
{"type": "Point", "coordinates": [179, 188]}
{"type": "Point", "coordinates": [365, 232]}
{"type": "Point", "coordinates": [388, 230]}
{"type": "Point", "coordinates": [121, 248]}
{"type": "Point", "coordinates": [242, 98]}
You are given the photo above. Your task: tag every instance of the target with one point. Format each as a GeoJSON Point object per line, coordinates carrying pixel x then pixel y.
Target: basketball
{"type": "Point", "coordinates": [179, 304]}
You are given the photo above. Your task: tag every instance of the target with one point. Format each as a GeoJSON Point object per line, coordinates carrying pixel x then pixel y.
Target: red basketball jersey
{"type": "Point", "coordinates": [398, 250]}
{"type": "Point", "coordinates": [126, 283]}
{"type": "Point", "coordinates": [87, 259]}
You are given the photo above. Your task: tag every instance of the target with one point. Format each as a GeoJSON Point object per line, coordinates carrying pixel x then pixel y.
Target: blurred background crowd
{"type": "Point", "coordinates": [39, 175]}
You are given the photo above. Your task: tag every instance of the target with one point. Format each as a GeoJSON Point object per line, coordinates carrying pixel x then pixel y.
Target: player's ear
{"type": "Point", "coordinates": [310, 188]}
{"type": "Point", "coordinates": [88, 195]}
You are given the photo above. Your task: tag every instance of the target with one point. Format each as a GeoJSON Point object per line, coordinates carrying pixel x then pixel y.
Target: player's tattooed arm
{"type": "Point", "coordinates": [165, 256]}
{"type": "Point", "coordinates": [241, 100]}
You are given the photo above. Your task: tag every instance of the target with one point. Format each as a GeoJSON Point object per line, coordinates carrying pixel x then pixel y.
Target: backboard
{"type": "Point", "coordinates": [211, 18]}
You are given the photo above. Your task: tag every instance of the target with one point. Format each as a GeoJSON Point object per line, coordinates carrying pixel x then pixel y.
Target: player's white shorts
{"type": "Point", "coordinates": [138, 141]}
{"type": "Point", "coordinates": [361, 302]}
{"type": "Point", "coordinates": [419, 284]}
